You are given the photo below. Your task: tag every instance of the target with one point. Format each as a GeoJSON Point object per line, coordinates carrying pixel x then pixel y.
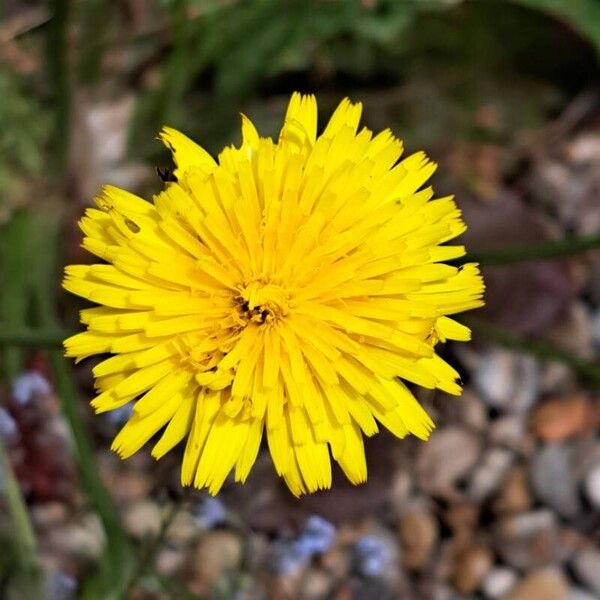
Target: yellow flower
{"type": "Point", "coordinates": [287, 289]}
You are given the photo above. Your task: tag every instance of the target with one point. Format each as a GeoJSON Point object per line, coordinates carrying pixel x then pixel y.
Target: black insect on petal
{"type": "Point", "coordinates": [166, 175]}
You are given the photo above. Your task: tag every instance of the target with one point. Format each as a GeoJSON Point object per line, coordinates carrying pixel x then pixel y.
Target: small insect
{"type": "Point", "coordinates": [132, 226]}
{"type": "Point", "coordinates": [166, 175]}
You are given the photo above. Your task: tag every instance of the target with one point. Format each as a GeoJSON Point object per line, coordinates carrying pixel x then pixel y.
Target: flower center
{"type": "Point", "coordinates": [262, 302]}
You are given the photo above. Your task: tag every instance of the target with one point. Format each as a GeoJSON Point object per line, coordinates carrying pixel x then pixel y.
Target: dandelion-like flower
{"type": "Point", "coordinates": [288, 289]}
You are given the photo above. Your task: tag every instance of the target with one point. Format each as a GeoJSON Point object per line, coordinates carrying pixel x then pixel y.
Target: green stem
{"type": "Point", "coordinates": [543, 251]}
{"type": "Point", "coordinates": [116, 557]}
{"type": "Point", "coordinates": [30, 579]}
{"type": "Point", "coordinates": [94, 24]}
{"type": "Point", "coordinates": [111, 577]}
{"type": "Point", "coordinates": [542, 350]}
{"type": "Point", "coordinates": [60, 84]}
{"type": "Point", "coordinates": [176, 71]}
{"type": "Point", "coordinates": [39, 338]}
{"type": "Point", "coordinates": [87, 460]}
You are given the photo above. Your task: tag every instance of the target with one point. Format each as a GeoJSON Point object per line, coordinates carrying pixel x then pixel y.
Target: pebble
{"type": "Point", "coordinates": [498, 582]}
{"type": "Point", "coordinates": [489, 473]}
{"type": "Point", "coordinates": [577, 593]}
{"type": "Point", "coordinates": [528, 540]}
{"type": "Point", "coordinates": [418, 535]}
{"type": "Point", "coordinates": [510, 431]}
{"type": "Point", "coordinates": [337, 562]}
{"type": "Point", "coordinates": [585, 457]}
{"type": "Point", "coordinates": [128, 486]}
{"type": "Point", "coordinates": [462, 516]}
{"type": "Point", "coordinates": [448, 456]}
{"type": "Point", "coordinates": [596, 328]}
{"type": "Point", "coordinates": [573, 332]}
{"type": "Point", "coordinates": [169, 560]}
{"type": "Point", "coordinates": [48, 514]}
{"type": "Point", "coordinates": [586, 565]}
{"type": "Point", "coordinates": [514, 495]}
{"type": "Point", "coordinates": [367, 588]}
{"type": "Point", "coordinates": [562, 418]}
{"type": "Point", "coordinates": [218, 554]}
{"type": "Point", "coordinates": [543, 584]}
{"type": "Point", "coordinates": [591, 486]}
{"type": "Point", "coordinates": [84, 540]}
{"type": "Point", "coordinates": [316, 585]}
{"type": "Point", "coordinates": [183, 528]}
{"type": "Point", "coordinates": [553, 481]}
{"type": "Point", "coordinates": [401, 488]}
{"type": "Point", "coordinates": [556, 378]}
{"type": "Point", "coordinates": [142, 519]}
{"type": "Point", "coordinates": [471, 568]}
{"type": "Point", "coordinates": [471, 411]}
{"type": "Point", "coordinates": [507, 380]}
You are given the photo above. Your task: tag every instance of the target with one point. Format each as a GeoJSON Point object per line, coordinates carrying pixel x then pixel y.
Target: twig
{"type": "Point", "coordinates": [544, 251]}
{"type": "Point", "coordinates": [542, 350]}
{"type": "Point", "coordinates": [23, 23]}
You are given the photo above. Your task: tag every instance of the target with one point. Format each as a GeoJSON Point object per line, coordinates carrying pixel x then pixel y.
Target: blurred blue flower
{"type": "Point", "coordinates": [316, 537]}
{"type": "Point", "coordinates": [372, 555]}
{"type": "Point", "coordinates": [8, 428]}
{"type": "Point", "coordinates": [59, 586]}
{"type": "Point", "coordinates": [29, 384]}
{"type": "Point", "coordinates": [209, 512]}
{"type": "Point", "coordinates": [118, 416]}
{"type": "Point", "coordinates": [286, 556]}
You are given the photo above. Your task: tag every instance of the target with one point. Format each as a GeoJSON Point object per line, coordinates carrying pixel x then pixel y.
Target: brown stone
{"type": "Point", "coordinates": [562, 418]}
{"type": "Point", "coordinates": [471, 568]}
{"type": "Point", "coordinates": [546, 584]}
{"type": "Point", "coordinates": [218, 554]}
{"type": "Point", "coordinates": [514, 495]}
{"type": "Point", "coordinates": [462, 516]}
{"type": "Point", "coordinates": [316, 585]}
{"type": "Point", "coordinates": [142, 518]}
{"type": "Point", "coordinates": [418, 535]}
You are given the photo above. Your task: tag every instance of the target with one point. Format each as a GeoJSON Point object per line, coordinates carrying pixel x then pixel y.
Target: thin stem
{"type": "Point", "coordinates": [22, 531]}
{"type": "Point", "coordinates": [117, 544]}
{"type": "Point", "coordinates": [542, 350]}
{"type": "Point", "coordinates": [113, 572]}
{"type": "Point", "coordinates": [543, 251]}
{"type": "Point", "coordinates": [39, 338]}
{"type": "Point", "coordinates": [176, 71]}
{"type": "Point", "coordinates": [58, 72]}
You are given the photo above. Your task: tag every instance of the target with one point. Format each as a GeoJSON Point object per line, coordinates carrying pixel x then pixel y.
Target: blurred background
{"type": "Point", "coordinates": [504, 501]}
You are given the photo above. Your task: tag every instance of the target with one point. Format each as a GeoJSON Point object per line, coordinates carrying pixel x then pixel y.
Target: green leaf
{"type": "Point", "coordinates": [583, 15]}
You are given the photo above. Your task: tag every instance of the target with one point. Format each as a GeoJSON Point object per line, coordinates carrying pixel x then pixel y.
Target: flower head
{"type": "Point", "coordinates": [286, 290]}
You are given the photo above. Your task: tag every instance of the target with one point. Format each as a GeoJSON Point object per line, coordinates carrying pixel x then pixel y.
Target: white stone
{"type": "Point", "coordinates": [498, 582]}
